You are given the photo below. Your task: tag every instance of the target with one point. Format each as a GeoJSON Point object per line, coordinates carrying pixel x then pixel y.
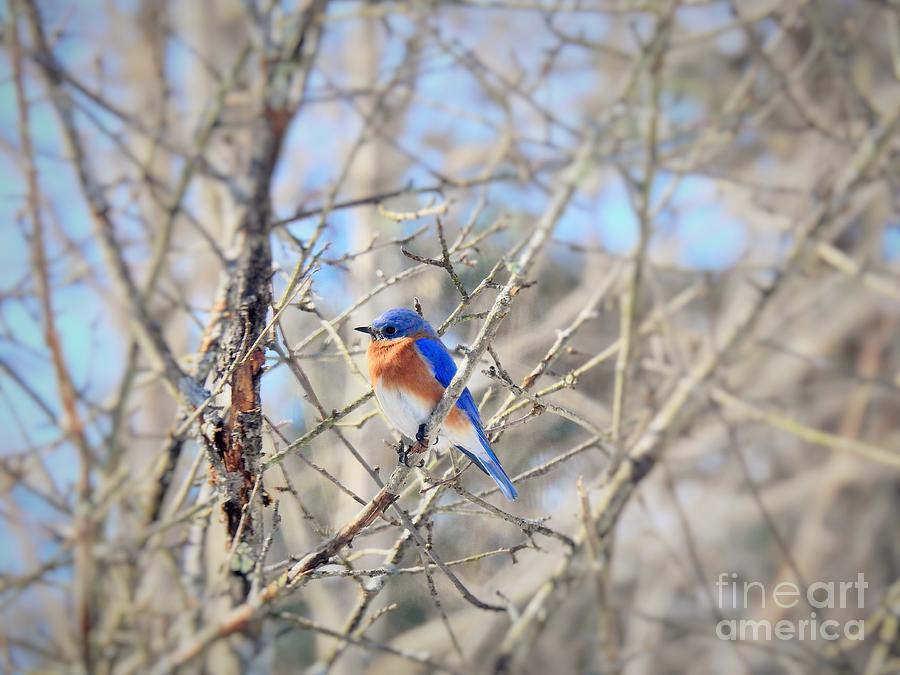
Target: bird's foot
{"type": "Point", "coordinates": [421, 440]}
{"type": "Point", "coordinates": [403, 454]}
{"type": "Point", "coordinates": [404, 451]}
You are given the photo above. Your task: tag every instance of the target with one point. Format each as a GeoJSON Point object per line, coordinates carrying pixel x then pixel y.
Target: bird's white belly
{"type": "Point", "coordinates": [405, 411]}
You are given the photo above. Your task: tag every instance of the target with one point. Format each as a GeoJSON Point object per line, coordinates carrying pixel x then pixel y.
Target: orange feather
{"type": "Point", "coordinates": [398, 364]}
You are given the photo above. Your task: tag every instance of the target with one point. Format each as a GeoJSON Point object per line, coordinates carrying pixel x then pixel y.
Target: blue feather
{"type": "Point", "coordinates": [443, 367]}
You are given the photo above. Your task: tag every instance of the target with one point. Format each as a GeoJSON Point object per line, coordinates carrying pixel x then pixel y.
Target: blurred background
{"type": "Point", "coordinates": [700, 375]}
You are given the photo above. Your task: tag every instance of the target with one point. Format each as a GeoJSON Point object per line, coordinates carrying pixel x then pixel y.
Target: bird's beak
{"type": "Point", "coordinates": [365, 329]}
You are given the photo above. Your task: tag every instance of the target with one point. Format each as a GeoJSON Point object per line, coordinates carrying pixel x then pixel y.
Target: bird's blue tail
{"type": "Point", "coordinates": [491, 466]}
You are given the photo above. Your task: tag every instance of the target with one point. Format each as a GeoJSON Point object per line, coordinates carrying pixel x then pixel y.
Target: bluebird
{"type": "Point", "coordinates": [410, 368]}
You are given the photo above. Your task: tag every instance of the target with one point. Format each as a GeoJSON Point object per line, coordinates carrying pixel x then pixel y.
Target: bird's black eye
{"type": "Point", "coordinates": [390, 330]}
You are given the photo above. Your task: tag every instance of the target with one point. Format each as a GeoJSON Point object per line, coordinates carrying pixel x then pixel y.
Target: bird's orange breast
{"type": "Point", "coordinates": [398, 364]}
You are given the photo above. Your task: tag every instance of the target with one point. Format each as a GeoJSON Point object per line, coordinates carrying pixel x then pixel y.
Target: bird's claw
{"type": "Point", "coordinates": [421, 445]}
{"type": "Point", "coordinates": [403, 454]}
{"type": "Point", "coordinates": [421, 438]}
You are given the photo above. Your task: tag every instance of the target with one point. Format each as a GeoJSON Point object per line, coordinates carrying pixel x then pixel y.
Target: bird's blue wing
{"type": "Point", "coordinates": [438, 358]}
{"type": "Point", "coordinates": [444, 368]}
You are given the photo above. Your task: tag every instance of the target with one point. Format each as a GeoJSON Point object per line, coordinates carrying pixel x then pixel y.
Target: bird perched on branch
{"type": "Point", "coordinates": [410, 368]}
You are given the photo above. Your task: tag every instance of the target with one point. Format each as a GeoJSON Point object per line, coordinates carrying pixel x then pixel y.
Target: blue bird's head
{"type": "Point", "coordinates": [397, 323]}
